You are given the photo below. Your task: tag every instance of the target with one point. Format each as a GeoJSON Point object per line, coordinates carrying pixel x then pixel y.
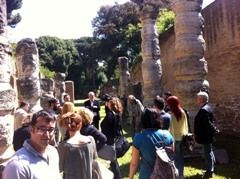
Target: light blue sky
{"type": "Point", "coordinates": [60, 18]}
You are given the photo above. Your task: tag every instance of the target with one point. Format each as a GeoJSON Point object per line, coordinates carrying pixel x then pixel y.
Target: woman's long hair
{"type": "Point", "coordinates": [174, 105]}
{"type": "Point", "coordinates": [68, 107]}
{"type": "Point", "coordinates": [116, 105]}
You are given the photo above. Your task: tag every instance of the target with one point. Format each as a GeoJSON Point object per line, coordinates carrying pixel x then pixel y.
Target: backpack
{"type": "Point", "coordinates": [164, 167]}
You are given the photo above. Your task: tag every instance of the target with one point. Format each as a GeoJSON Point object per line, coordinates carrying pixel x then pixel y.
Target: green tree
{"type": "Point", "coordinates": [56, 54]}
{"type": "Point", "coordinates": [165, 20]}
{"type": "Point", "coordinates": [116, 27]}
{"type": "Point", "coordinates": [89, 58]}
{"type": "Point", "coordinates": [47, 73]}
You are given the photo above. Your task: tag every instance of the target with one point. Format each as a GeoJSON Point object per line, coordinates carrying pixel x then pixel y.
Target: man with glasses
{"type": "Point", "coordinates": [36, 159]}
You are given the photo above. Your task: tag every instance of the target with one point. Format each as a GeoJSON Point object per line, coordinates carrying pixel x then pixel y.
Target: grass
{"type": "Point", "coordinates": [194, 167]}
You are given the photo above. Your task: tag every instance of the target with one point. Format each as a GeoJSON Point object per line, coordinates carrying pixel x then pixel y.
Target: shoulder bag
{"type": "Point", "coordinates": [188, 140]}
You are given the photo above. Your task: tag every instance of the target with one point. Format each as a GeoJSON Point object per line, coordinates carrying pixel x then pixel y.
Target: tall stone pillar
{"type": "Point", "coordinates": [7, 101]}
{"type": "Point", "coordinates": [59, 87]}
{"type": "Point", "coordinates": [47, 88]}
{"type": "Point", "coordinates": [3, 16]}
{"type": "Point", "coordinates": [151, 65]}
{"type": "Point", "coordinates": [28, 82]}
{"type": "Point", "coordinates": [70, 89]}
{"type": "Point", "coordinates": [124, 76]}
{"type": "Point", "coordinates": [190, 66]}
{"type": "Point", "coordinates": [7, 93]}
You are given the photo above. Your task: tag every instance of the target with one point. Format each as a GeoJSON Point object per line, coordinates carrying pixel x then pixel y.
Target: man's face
{"type": "Point", "coordinates": [91, 97]}
{"type": "Point", "coordinates": [199, 100]}
{"type": "Point", "coordinates": [26, 107]}
{"type": "Point", "coordinates": [56, 106]}
{"type": "Point", "coordinates": [42, 133]}
{"type": "Point", "coordinates": [67, 98]}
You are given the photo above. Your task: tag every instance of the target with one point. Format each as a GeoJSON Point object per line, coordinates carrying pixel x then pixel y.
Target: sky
{"type": "Point", "coordinates": [66, 19]}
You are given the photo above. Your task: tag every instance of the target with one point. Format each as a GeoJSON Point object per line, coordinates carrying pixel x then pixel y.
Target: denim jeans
{"type": "Point", "coordinates": [209, 157]}
{"type": "Point", "coordinates": [179, 158]}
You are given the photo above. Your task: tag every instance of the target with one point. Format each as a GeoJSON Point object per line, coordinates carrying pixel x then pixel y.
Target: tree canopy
{"type": "Point", "coordinates": [56, 54]}
{"type": "Point", "coordinates": [116, 29]}
{"type": "Point", "coordinates": [92, 61]}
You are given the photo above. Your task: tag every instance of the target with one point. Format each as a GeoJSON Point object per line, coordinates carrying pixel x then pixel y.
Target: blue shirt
{"type": "Point", "coordinates": [27, 163]}
{"type": "Point", "coordinates": [147, 149]}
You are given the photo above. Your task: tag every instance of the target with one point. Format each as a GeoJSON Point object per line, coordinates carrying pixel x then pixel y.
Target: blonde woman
{"type": "Point", "coordinates": [77, 153]}
{"type": "Point", "coordinates": [67, 107]}
{"type": "Point", "coordinates": [89, 129]}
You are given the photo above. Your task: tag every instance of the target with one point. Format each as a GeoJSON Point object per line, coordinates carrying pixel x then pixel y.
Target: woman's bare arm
{"type": "Point", "coordinates": [134, 162]}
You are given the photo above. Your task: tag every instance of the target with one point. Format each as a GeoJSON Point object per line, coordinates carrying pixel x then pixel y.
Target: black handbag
{"type": "Point", "coordinates": [188, 140]}
{"type": "Point", "coordinates": [121, 146]}
{"type": "Point", "coordinates": [121, 143]}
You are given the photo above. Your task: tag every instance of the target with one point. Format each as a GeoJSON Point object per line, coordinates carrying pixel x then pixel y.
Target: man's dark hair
{"type": "Point", "coordinates": [168, 93]}
{"type": "Point", "coordinates": [66, 96]}
{"type": "Point", "coordinates": [106, 97]}
{"type": "Point", "coordinates": [43, 113]}
{"type": "Point", "coordinates": [159, 102]}
{"type": "Point", "coordinates": [52, 101]}
{"type": "Point", "coordinates": [22, 104]}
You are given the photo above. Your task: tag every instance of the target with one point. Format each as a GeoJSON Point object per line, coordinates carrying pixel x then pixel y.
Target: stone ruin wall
{"type": "Point", "coordinates": [222, 36]}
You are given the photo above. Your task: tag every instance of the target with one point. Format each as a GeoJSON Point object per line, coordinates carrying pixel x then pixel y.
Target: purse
{"type": "Point", "coordinates": [107, 152]}
{"type": "Point", "coordinates": [121, 143]}
{"type": "Point", "coordinates": [188, 140]}
{"type": "Point", "coordinates": [121, 146]}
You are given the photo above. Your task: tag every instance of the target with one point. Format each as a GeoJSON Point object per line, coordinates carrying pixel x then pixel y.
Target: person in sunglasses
{"type": "Point", "coordinates": [37, 157]}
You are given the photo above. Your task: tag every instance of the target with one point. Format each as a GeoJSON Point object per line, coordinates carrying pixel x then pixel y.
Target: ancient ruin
{"type": "Point", "coordinates": [27, 65]}
{"type": "Point", "coordinates": [59, 86]}
{"type": "Point", "coordinates": [151, 65]}
{"type": "Point", "coordinates": [3, 16]}
{"type": "Point", "coordinates": [190, 65]}
{"type": "Point", "coordinates": [222, 37]}
{"type": "Point", "coordinates": [47, 88]}
{"type": "Point", "coordinates": [124, 77]}
{"type": "Point", "coordinates": [7, 100]}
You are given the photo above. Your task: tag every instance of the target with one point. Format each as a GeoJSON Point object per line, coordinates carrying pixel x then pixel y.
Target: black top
{"type": "Point", "coordinates": [95, 108]}
{"type": "Point", "coordinates": [99, 137]}
{"type": "Point", "coordinates": [20, 135]}
{"type": "Point", "coordinates": [204, 127]}
{"type": "Point", "coordinates": [111, 126]}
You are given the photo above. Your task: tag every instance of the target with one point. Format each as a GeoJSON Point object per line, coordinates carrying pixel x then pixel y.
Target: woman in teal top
{"type": "Point", "coordinates": [143, 149]}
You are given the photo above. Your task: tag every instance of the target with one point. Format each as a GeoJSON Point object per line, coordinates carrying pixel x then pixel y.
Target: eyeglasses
{"type": "Point", "coordinates": [42, 130]}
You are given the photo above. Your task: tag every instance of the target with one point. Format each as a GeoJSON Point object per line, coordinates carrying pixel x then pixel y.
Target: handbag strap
{"type": "Point", "coordinates": [119, 122]}
{"type": "Point", "coordinates": [188, 122]}
{"type": "Point", "coordinates": [156, 147]}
